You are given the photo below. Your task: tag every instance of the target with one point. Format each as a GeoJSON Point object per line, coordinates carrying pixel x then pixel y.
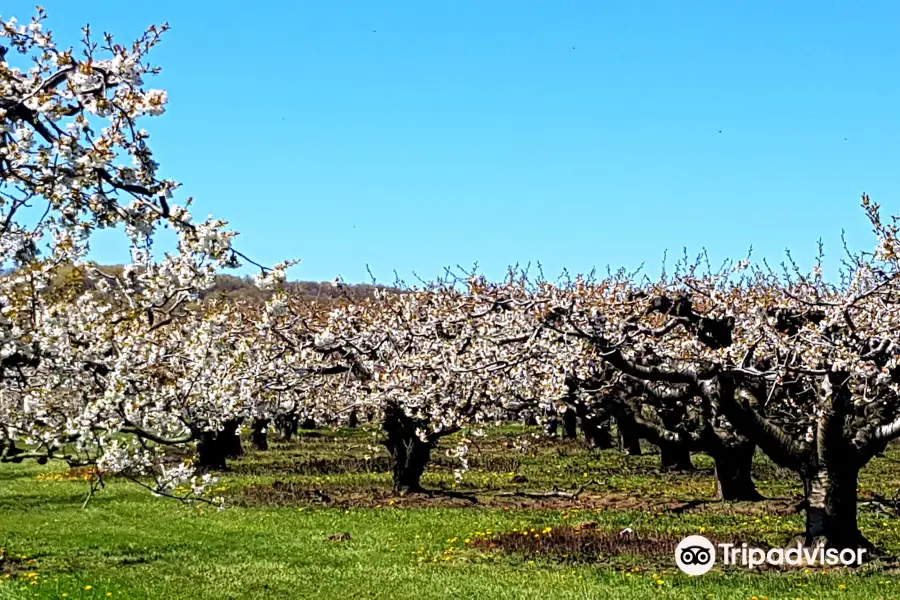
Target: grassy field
{"type": "Point", "coordinates": [315, 519]}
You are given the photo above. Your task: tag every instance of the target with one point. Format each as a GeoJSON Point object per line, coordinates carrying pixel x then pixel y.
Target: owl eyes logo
{"type": "Point", "coordinates": [695, 555]}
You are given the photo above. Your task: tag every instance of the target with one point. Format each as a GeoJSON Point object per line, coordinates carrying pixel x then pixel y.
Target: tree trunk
{"type": "Point", "coordinates": [213, 448]}
{"type": "Point", "coordinates": [529, 419]}
{"type": "Point", "coordinates": [308, 423]}
{"type": "Point", "coordinates": [409, 454]}
{"type": "Point", "coordinates": [595, 429]}
{"type": "Point", "coordinates": [629, 440]}
{"type": "Point", "coordinates": [353, 419]}
{"type": "Point", "coordinates": [603, 438]}
{"type": "Point", "coordinates": [570, 424]}
{"type": "Point", "coordinates": [675, 457]}
{"type": "Point", "coordinates": [260, 437]}
{"type": "Point", "coordinates": [831, 509]}
{"type": "Point", "coordinates": [210, 453]}
{"type": "Point", "coordinates": [230, 438]}
{"type": "Point", "coordinates": [551, 426]}
{"type": "Point", "coordinates": [287, 425]}
{"type": "Point", "coordinates": [734, 480]}
{"type": "Point", "coordinates": [597, 433]}
{"type": "Point", "coordinates": [289, 429]}
{"type": "Point", "coordinates": [9, 449]}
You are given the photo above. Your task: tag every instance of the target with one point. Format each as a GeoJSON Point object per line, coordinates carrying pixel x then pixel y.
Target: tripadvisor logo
{"type": "Point", "coordinates": [696, 555]}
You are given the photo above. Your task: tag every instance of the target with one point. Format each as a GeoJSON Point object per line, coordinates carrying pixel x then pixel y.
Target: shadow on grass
{"type": "Point", "coordinates": [286, 464]}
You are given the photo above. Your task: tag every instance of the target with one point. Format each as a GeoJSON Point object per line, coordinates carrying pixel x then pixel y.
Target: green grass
{"type": "Point", "coordinates": [131, 545]}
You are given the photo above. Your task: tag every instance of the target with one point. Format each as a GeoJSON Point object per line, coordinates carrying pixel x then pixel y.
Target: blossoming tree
{"type": "Point", "coordinates": [804, 369]}
{"type": "Point", "coordinates": [95, 364]}
{"type": "Point", "coordinates": [427, 362]}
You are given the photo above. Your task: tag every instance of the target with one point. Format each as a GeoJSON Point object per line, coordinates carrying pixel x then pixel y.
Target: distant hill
{"type": "Point", "coordinates": [240, 288]}
{"type": "Point", "coordinates": [243, 288]}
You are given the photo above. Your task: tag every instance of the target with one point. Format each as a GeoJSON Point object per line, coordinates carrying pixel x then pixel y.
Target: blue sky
{"type": "Point", "coordinates": [415, 135]}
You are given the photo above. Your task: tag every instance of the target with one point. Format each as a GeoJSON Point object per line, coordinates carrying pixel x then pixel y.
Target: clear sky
{"type": "Point", "coordinates": [418, 134]}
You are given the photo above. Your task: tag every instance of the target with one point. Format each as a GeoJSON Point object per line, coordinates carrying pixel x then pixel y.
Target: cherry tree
{"type": "Point", "coordinates": [802, 368]}
{"type": "Point", "coordinates": [97, 367]}
{"type": "Point", "coordinates": [429, 362]}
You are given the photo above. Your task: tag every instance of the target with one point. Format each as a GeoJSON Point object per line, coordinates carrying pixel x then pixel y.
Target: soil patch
{"type": "Point", "coordinates": [292, 493]}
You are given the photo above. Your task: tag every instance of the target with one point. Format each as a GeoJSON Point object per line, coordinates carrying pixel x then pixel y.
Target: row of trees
{"type": "Point", "coordinates": [716, 361]}
{"type": "Point", "coordinates": [120, 368]}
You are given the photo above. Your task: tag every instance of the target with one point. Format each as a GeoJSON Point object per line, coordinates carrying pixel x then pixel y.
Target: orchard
{"type": "Point", "coordinates": [187, 403]}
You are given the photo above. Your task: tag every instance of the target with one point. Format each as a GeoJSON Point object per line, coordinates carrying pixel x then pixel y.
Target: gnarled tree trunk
{"type": "Point", "coordinates": [287, 425]}
{"type": "Point", "coordinates": [8, 450]}
{"type": "Point", "coordinates": [213, 448]}
{"type": "Point", "coordinates": [409, 454]}
{"type": "Point", "coordinates": [734, 463]}
{"type": "Point", "coordinates": [831, 508]}
{"type": "Point", "coordinates": [570, 424]}
{"type": "Point", "coordinates": [629, 437]}
{"type": "Point", "coordinates": [829, 466]}
{"type": "Point", "coordinates": [210, 453]}
{"type": "Point", "coordinates": [230, 438]}
{"type": "Point", "coordinates": [675, 457]}
{"type": "Point", "coordinates": [596, 432]}
{"type": "Point", "coordinates": [260, 438]}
